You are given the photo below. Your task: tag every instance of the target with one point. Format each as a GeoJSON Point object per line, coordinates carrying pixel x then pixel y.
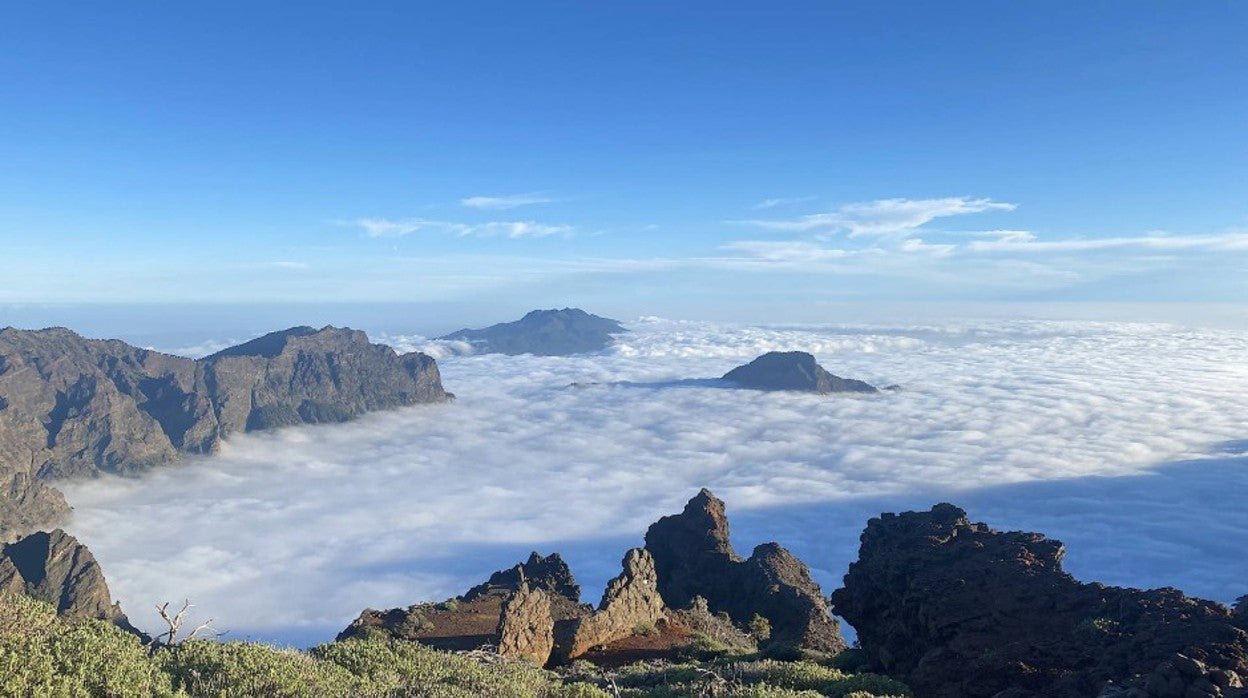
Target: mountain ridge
{"type": "Point", "coordinates": [72, 406]}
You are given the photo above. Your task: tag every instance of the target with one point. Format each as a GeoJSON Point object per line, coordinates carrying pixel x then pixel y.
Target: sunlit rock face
{"type": "Point", "coordinates": [72, 407]}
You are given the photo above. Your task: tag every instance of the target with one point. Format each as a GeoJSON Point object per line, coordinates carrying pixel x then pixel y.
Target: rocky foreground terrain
{"type": "Point", "coordinates": [943, 608]}
{"type": "Point", "coordinates": [73, 407]}
{"type": "Point", "coordinates": [687, 576]}
{"type": "Point", "coordinates": [956, 609]}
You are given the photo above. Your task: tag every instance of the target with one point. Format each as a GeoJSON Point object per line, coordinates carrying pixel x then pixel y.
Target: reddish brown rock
{"type": "Point", "coordinates": [954, 608]}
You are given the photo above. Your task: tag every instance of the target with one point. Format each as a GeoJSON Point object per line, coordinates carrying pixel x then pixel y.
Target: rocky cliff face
{"type": "Point", "coordinates": [543, 333]}
{"type": "Point", "coordinates": [954, 608]}
{"type": "Point", "coordinates": [71, 406]}
{"type": "Point", "coordinates": [793, 370]}
{"type": "Point", "coordinates": [694, 558]}
{"type": "Point", "coordinates": [55, 568]}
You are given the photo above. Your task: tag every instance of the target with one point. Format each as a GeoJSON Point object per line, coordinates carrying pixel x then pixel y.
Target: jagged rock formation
{"type": "Point", "coordinates": [694, 558]}
{"type": "Point", "coordinates": [793, 370]}
{"type": "Point", "coordinates": [477, 618]}
{"type": "Point", "coordinates": [631, 600]}
{"type": "Point", "coordinates": [71, 406]}
{"type": "Point", "coordinates": [543, 333]}
{"type": "Point", "coordinates": [548, 573]}
{"type": "Point", "coordinates": [954, 608]}
{"type": "Point", "coordinates": [686, 573]}
{"type": "Point", "coordinates": [526, 628]}
{"type": "Point", "coordinates": [55, 568]}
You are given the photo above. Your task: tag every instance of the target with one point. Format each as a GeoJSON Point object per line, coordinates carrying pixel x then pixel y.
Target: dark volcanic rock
{"type": "Point", "coordinates": [548, 573]}
{"type": "Point", "coordinates": [543, 333]}
{"type": "Point", "coordinates": [55, 568]}
{"type": "Point", "coordinates": [693, 558]}
{"type": "Point", "coordinates": [71, 406]}
{"type": "Point", "coordinates": [954, 608]}
{"type": "Point", "coordinates": [793, 370]}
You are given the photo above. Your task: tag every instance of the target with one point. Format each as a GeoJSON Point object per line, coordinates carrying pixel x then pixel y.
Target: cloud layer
{"type": "Point", "coordinates": [1120, 439]}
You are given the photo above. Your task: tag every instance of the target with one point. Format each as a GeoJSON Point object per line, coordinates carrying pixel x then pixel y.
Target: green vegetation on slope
{"type": "Point", "coordinates": [43, 655]}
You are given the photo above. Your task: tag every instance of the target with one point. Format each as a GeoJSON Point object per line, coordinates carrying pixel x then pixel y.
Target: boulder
{"type": "Point", "coordinates": [954, 608]}
{"type": "Point", "coordinates": [525, 626]}
{"type": "Point", "coordinates": [793, 370]}
{"type": "Point", "coordinates": [694, 558]}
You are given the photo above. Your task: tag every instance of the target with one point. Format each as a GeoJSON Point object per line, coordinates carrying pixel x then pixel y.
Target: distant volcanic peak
{"type": "Point", "coordinates": [543, 333]}
{"type": "Point", "coordinates": [793, 370]}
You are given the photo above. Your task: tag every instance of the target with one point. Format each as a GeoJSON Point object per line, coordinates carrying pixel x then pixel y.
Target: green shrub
{"type": "Point", "coordinates": [398, 667]}
{"type": "Point", "coordinates": [210, 669]}
{"type": "Point", "coordinates": [43, 655]}
{"type": "Point", "coordinates": [645, 629]}
{"type": "Point", "coordinates": [760, 628]}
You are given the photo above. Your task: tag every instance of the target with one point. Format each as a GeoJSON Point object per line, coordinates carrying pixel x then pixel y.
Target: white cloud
{"type": "Point", "coordinates": [786, 251]}
{"type": "Point", "coordinates": [382, 227]}
{"type": "Point", "coordinates": [1025, 242]}
{"type": "Point", "coordinates": [917, 245]}
{"type": "Point", "coordinates": [884, 217]}
{"type": "Point", "coordinates": [1058, 427]}
{"type": "Point", "coordinates": [789, 201]}
{"type": "Point", "coordinates": [504, 202]}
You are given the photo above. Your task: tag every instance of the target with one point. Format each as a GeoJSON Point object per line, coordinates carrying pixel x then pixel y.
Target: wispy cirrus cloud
{"type": "Point", "coordinates": [385, 227]}
{"type": "Point", "coordinates": [781, 201]}
{"type": "Point", "coordinates": [505, 202]}
{"type": "Point", "coordinates": [1021, 241]}
{"type": "Point", "coordinates": [883, 217]}
{"type": "Point", "coordinates": [785, 251]}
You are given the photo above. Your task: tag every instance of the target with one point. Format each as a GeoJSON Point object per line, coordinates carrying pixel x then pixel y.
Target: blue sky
{"type": "Point", "coordinates": [624, 155]}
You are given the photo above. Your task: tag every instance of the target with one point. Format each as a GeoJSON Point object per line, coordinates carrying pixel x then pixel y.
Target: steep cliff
{"type": "Point", "coordinates": [71, 406]}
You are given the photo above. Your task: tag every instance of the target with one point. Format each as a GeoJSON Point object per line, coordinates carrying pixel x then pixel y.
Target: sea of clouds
{"type": "Point", "coordinates": [1127, 441]}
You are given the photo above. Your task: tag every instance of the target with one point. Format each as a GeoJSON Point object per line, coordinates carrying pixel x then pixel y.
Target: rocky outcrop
{"type": "Point", "coordinates": [526, 629]}
{"type": "Point", "coordinates": [548, 573]}
{"type": "Point", "coordinates": [543, 333]}
{"type": "Point", "coordinates": [694, 558]}
{"type": "Point", "coordinates": [57, 569]}
{"type": "Point", "coordinates": [71, 406]}
{"type": "Point", "coordinates": [954, 608]}
{"type": "Point", "coordinates": [478, 617]}
{"type": "Point", "coordinates": [631, 600]}
{"type": "Point", "coordinates": [793, 370]}
{"type": "Point", "coordinates": [686, 574]}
